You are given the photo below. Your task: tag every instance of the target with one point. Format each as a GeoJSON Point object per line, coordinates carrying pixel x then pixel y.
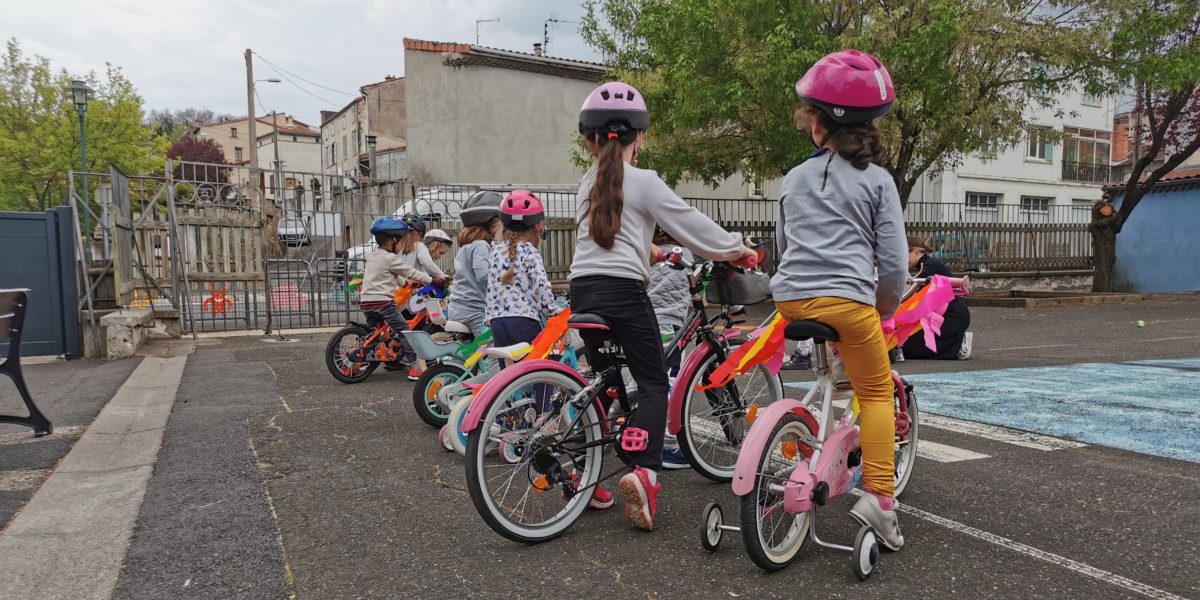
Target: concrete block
{"type": "Point", "coordinates": [168, 319]}
{"type": "Point", "coordinates": [126, 331]}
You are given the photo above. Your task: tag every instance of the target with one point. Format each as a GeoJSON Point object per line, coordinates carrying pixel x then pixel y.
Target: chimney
{"type": "Point", "coordinates": [537, 49]}
{"type": "Point", "coordinates": [290, 122]}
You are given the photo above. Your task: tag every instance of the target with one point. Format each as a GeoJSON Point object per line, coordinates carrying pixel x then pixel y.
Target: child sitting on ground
{"type": "Point", "coordinates": [518, 290]}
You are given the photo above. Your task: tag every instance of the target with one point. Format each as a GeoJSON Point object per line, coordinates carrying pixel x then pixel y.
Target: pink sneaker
{"type": "Point", "coordinates": [641, 498]}
{"type": "Point", "coordinates": [601, 498]}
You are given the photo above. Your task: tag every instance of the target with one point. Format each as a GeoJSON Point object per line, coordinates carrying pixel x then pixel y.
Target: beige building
{"type": "Point", "coordinates": [298, 148]}
{"type": "Point", "coordinates": [380, 112]}
{"type": "Point", "coordinates": [234, 136]}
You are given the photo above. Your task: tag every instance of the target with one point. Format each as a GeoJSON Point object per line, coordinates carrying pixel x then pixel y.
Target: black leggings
{"type": "Point", "coordinates": [624, 304]}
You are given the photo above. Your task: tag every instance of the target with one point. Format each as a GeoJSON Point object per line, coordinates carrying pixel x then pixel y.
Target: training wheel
{"type": "Point", "coordinates": [866, 553]}
{"type": "Point", "coordinates": [710, 527]}
{"type": "Point", "coordinates": [510, 447]}
{"type": "Point", "coordinates": [444, 438]}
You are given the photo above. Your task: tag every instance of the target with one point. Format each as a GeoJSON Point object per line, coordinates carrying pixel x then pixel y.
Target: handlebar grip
{"type": "Point", "coordinates": [748, 262]}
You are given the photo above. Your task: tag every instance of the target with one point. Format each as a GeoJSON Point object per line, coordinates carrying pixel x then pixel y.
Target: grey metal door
{"type": "Point", "coordinates": [36, 252]}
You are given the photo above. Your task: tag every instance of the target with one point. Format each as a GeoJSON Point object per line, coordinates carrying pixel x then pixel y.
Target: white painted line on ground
{"type": "Point", "coordinates": [70, 539]}
{"type": "Point", "coordinates": [998, 434]}
{"type": "Point", "coordinates": [1050, 557]}
{"type": "Point", "coordinates": [945, 454]}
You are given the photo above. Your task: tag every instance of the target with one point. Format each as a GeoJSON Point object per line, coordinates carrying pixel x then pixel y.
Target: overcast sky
{"type": "Point", "coordinates": [189, 53]}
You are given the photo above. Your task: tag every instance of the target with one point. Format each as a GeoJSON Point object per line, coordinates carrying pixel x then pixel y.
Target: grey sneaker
{"type": "Point", "coordinates": [964, 351]}
{"type": "Point", "coordinates": [887, 526]}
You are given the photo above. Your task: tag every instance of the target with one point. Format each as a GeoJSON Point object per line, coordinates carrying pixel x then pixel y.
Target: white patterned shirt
{"type": "Point", "coordinates": [529, 295]}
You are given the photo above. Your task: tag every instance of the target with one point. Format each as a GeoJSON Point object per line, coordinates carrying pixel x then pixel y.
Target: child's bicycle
{"type": "Point", "coordinates": [558, 345]}
{"type": "Point", "coordinates": [798, 455]}
{"type": "Point", "coordinates": [355, 351]}
{"type": "Point", "coordinates": [451, 363]}
{"type": "Point", "coordinates": [550, 427]}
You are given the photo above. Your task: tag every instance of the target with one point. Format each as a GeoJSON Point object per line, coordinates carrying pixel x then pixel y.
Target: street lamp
{"type": "Point", "coordinates": [78, 92]}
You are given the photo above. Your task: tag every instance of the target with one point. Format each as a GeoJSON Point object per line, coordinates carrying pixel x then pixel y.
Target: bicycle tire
{"type": "Point", "coordinates": [477, 468]}
{"type": "Point", "coordinates": [703, 456]}
{"type": "Point", "coordinates": [333, 352]}
{"type": "Point", "coordinates": [425, 399]}
{"type": "Point", "coordinates": [750, 513]}
{"type": "Point", "coordinates": [906, 456]}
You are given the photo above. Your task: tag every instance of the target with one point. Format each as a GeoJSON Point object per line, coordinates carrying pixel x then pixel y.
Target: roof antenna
{"type": "Point", "coordinates": [546, 32]}
{"type": "Point", "coordinates": [478, 21]}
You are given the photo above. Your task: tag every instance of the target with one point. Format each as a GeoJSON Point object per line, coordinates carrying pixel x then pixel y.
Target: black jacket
{"type": "Point", "coordinates": [957, 318]}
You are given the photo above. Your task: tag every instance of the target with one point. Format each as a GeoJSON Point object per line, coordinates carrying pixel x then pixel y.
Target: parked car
{"type": "Point", "coordinates": [293, 233]}
{"type": "Point", "coordinates": [965, 251]}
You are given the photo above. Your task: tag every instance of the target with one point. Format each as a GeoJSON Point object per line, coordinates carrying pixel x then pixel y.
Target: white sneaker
{"type": "Point", "coordinates": [964, 351]}
{"type": "Point", "coordinates": [887, 526]}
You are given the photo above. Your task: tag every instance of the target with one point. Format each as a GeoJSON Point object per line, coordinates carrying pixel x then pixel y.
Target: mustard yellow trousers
{"type": "Point", "coordinates": [864, 353]}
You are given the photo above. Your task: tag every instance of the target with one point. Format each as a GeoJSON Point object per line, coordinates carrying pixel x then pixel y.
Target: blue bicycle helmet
{"type": "Point", "coordinates": [390, 226]}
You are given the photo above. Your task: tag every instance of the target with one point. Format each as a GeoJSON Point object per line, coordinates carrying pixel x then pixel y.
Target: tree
{"type": "Point", "coordinates": [197, 149]}
{"type": "Point", "coordinates": [965, 73]}
{"type": "Point", "coordinates": [39, 135]}
{"type": "Point", "coordinates": [174, 124]}
{"type": "Point", "coordinates": [1156, 46]}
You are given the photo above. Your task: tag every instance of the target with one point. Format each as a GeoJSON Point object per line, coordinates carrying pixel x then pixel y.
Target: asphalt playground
{"type": "Point", "coordinates": [1061, 461]}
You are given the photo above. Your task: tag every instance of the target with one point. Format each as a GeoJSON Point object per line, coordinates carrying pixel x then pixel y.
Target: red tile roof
{"type": "Point", "coordinates": [1183, 173]}
{"type": "Point", "coordinates": [411, 44]}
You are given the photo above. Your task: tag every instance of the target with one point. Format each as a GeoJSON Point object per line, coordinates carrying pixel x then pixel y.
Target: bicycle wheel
{"type": "Point", "coordinates": [340, 366]}
{"type": "Point", "coordinates": [715, 423]}
{"type": "Point", "coordinates": [906, 444]}
{"type": "Point", "coordinates": [425, 398]}
{"type": "Point", "coordinates": [534, 498]}
{"type": "Point", "coordinates": [773, 536]}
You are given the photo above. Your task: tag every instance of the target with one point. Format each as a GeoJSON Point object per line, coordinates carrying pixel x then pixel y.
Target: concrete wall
{"type": "Point", "coordinates": [486, 124]}
{"type": "Point", "coordinates": [386, 114]}
{"type": "Point", "coordinates": [1158, 247]}
{"type": "Point", "coordinates": [223, 134]}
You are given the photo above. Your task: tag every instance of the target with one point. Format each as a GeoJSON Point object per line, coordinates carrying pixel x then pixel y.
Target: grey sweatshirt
{"type": "Point", "coordinates": [669, 292]}
{"type": "Point", "coordinates": [834, 221]}
{"type": "Point", "coordinates": [469, 294]}
{"type": "Point", "coordinates": [647, 201]}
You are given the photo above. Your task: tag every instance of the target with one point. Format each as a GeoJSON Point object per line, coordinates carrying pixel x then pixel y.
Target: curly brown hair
{"type": "Point", "coordinates": [514, 239]}
{"type": "Point", "coordinates": [861, 144]}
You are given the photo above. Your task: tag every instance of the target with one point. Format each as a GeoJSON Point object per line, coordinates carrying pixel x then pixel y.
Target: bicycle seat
{"type": "Point", "coordinates": [456, 327]}
{"type": "Point", "coordinates": [586, 321]}
{"type": "Point", "coordinates": [514, 352]}
{"type": "Point", "coordinates": [802, 330]}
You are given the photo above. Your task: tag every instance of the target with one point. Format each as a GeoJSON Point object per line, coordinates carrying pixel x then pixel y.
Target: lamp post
{"type": "Point", "coordinates": [78, 91]}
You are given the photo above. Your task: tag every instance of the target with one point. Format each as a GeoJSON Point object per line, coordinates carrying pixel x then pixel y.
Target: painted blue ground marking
{"type": "Point", "coordinates": [1152, 407]}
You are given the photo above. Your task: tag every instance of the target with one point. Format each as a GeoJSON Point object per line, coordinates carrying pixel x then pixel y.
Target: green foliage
{"type": "Point", "coordinates": [39, 130]}
{"type": "Point", "coordinates": [719, 74]}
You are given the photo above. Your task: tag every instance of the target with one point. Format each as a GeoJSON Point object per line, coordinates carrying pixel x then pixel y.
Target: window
{"type": "Point", "coordinates": [1041, 147]}
{"type": "Point", "coordinates": [237, 153]}
{"type": "Point", "coordinates": [1039, 204]}
{"type": "Point", "coordinates": [1086, 155]}
{"type": "Point", "coordinates": [294, 139]}
{"type": "Point", "coordinates": [345, 147]}
{"type": "Point", "coordinates": [990, 150]}
{"type": "Point", "coordinates": [289, 183]}
{"type": "Point", "coordinates": [332, 153]}
{"type": "Point", "coordinates": [756, 187]}
{"type": "Point", "coordinates": [233, 132]}
{"type": "Point", "coordinates": [1091, 99]}
{"type": "Point", "coordinates": [977, 201]}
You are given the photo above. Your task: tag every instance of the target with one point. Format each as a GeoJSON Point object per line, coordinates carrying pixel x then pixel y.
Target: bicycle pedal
{"type": "Point", "coordinates": [634, 439]}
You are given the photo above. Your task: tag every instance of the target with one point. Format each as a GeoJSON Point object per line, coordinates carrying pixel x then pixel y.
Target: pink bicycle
{"type": "Point", "coordinates": [799, 454]}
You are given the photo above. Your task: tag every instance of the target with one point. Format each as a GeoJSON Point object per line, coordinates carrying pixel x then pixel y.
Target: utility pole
{"type": "Point", "coordinates": [478, 21]}
{"type": "Point", "coordinates": [255, 186]}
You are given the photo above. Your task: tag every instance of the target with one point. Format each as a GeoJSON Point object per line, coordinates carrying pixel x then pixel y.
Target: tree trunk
{"type": "Point", "coordinates": [1104, 252]}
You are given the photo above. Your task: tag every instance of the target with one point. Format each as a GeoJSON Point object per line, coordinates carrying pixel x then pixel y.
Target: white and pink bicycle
{"type": "Point", "coordinates": [801, 453]}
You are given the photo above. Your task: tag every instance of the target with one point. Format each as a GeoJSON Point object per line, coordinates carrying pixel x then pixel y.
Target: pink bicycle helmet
{"type": "Point", "coordinates": [521, 210]}
{"type": "Point", "coordinates": [850, 86]}
{"type": "Point", "coordinates": [614, 106]}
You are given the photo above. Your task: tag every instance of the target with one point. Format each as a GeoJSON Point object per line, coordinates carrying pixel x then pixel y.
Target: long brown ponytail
{"type": "Point", "coordinates": [606, 199]}
{"type": "Point", "coordinates": [861, 145]}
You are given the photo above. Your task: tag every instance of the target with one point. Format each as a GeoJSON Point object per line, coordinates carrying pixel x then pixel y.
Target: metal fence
{"type": "Point", "coordinates": [197, 238]}
{"type": "Point", "coordinates": [1003, 237]}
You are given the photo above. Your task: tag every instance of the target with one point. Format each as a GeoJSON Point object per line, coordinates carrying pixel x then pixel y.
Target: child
{"type": "Point", "coordinates": [519, 291]}
{"type": "Point", "coordinates": [438, 243]}
{"type": "Point", "coordinates": [386, 271]}
{"type": "Point", "coordinates": [417, 254]}
{"type": "Point", "coordinates": [481, 226]}
{"type": "Point", "coordinates": [617, 207]}
{"type": "Point", "coordinates": [954, 341]}
{"type": "Point", "coordinates": [839, 212]}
